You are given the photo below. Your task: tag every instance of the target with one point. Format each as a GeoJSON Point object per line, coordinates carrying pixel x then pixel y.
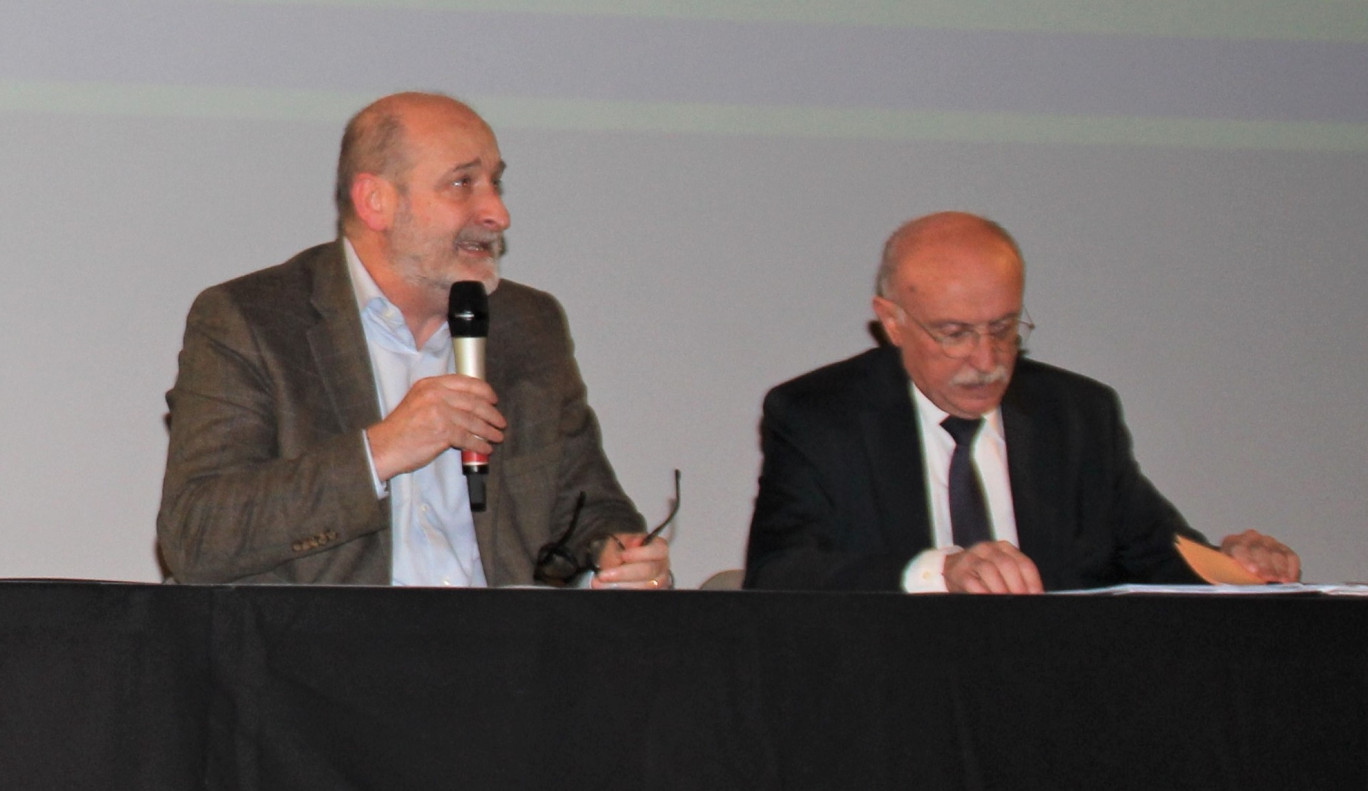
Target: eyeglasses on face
{"type": "Point", "coordinates": [959, 340]}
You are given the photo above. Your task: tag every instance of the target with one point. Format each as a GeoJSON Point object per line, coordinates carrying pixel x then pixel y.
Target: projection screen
{"type": "Point", "coordinates": [706, 187]}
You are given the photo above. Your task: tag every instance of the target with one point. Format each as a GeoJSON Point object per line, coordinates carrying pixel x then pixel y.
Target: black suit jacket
{"type": "Point", "coordinates": [843, 504]}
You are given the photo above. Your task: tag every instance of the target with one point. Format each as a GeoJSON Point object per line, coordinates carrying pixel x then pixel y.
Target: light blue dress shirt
{"type": "Point", "coordinates": [432, 529]}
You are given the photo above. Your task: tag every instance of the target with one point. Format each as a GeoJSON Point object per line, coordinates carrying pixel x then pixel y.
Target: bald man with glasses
{"type": "Point", "coordinates": [945, 462]}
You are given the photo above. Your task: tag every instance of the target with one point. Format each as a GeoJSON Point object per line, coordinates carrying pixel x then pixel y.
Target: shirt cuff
{"type": "Point", "coordinates": [926, 572]}
{"type": "Point", "coordinates": [381, 487]}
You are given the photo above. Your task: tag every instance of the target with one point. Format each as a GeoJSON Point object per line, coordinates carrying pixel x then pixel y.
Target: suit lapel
{"type": "Point", "coordinates": [339, 344]}
{"type": "Point", "coordinates": [898, 477]}
{"type": "Point", "coordinates": [1034, 472]}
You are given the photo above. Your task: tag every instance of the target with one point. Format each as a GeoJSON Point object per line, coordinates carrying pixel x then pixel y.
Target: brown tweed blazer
{"type": "Point", "coordinates": [266, 474]}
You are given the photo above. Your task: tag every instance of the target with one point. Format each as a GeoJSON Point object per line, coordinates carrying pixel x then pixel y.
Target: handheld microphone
{"type": "Point", "coordinates": [468, 318]}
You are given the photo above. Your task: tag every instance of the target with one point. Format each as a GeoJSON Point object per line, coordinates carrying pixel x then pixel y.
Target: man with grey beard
{"type": "Point", "coordinates": [944, 463]}
{"type": "Point", "coordinates": [317, 421]}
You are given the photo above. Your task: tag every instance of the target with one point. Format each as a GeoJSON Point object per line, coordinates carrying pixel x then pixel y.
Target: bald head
{"type": "Point", "coordinates": [945, 230]}
{"type": "Point", "coordinates": [378, 140]}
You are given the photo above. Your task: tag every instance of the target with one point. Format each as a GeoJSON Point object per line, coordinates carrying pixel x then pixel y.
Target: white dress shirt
{"type": "Point", "coordinates": [924, 573]}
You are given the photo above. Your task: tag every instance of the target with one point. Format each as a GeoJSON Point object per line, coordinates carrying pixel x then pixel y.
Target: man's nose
{"type": "Point", "coordinates": [492, 213]}
{"type": "Point", "coordinates": [986, 354]}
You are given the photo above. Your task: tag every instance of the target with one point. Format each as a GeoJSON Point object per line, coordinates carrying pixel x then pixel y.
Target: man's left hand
{"type": "Point", "coordinates": [1263, 556]}
{"type": "Point", "coordinates": [627, 563]}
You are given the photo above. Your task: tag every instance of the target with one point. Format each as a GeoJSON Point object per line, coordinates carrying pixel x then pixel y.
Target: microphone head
{"type": "Point", "coordinates": [468, 310]}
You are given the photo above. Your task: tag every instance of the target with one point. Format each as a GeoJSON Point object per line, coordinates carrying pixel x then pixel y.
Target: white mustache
{"type": "Point", "coordinates": [972, 378]}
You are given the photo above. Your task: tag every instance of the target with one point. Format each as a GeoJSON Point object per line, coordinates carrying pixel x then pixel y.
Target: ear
{"type": "Point", "coordinates": [375, 200]}
{"type": "Point", "coordinates": [890, 318]}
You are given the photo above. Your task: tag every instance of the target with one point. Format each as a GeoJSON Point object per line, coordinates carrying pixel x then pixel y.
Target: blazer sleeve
{"type": "Point", "coordinates": [583, 465]}
{"type": "Point", "coordinates": [816, 524]}
{"type": "Point", "coordinates": [1144, 522]}
{"type": "Point", "coordinates": [553, 448]}
{"type": "Point", "coordinates": [261, 483]}
{"type": "Point", "coordinates": [1086, 513]}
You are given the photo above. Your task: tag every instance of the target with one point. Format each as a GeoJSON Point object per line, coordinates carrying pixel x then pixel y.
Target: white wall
{"type": "Point", "coordinates": [707, 193]}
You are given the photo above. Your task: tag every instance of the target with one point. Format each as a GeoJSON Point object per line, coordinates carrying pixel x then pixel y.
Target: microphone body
{"type": "Point", "coordinates": [468, 319]}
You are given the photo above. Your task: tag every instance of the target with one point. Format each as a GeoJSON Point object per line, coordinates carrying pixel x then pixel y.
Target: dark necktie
{"type": "Point", "coordinates": [968, 512]}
